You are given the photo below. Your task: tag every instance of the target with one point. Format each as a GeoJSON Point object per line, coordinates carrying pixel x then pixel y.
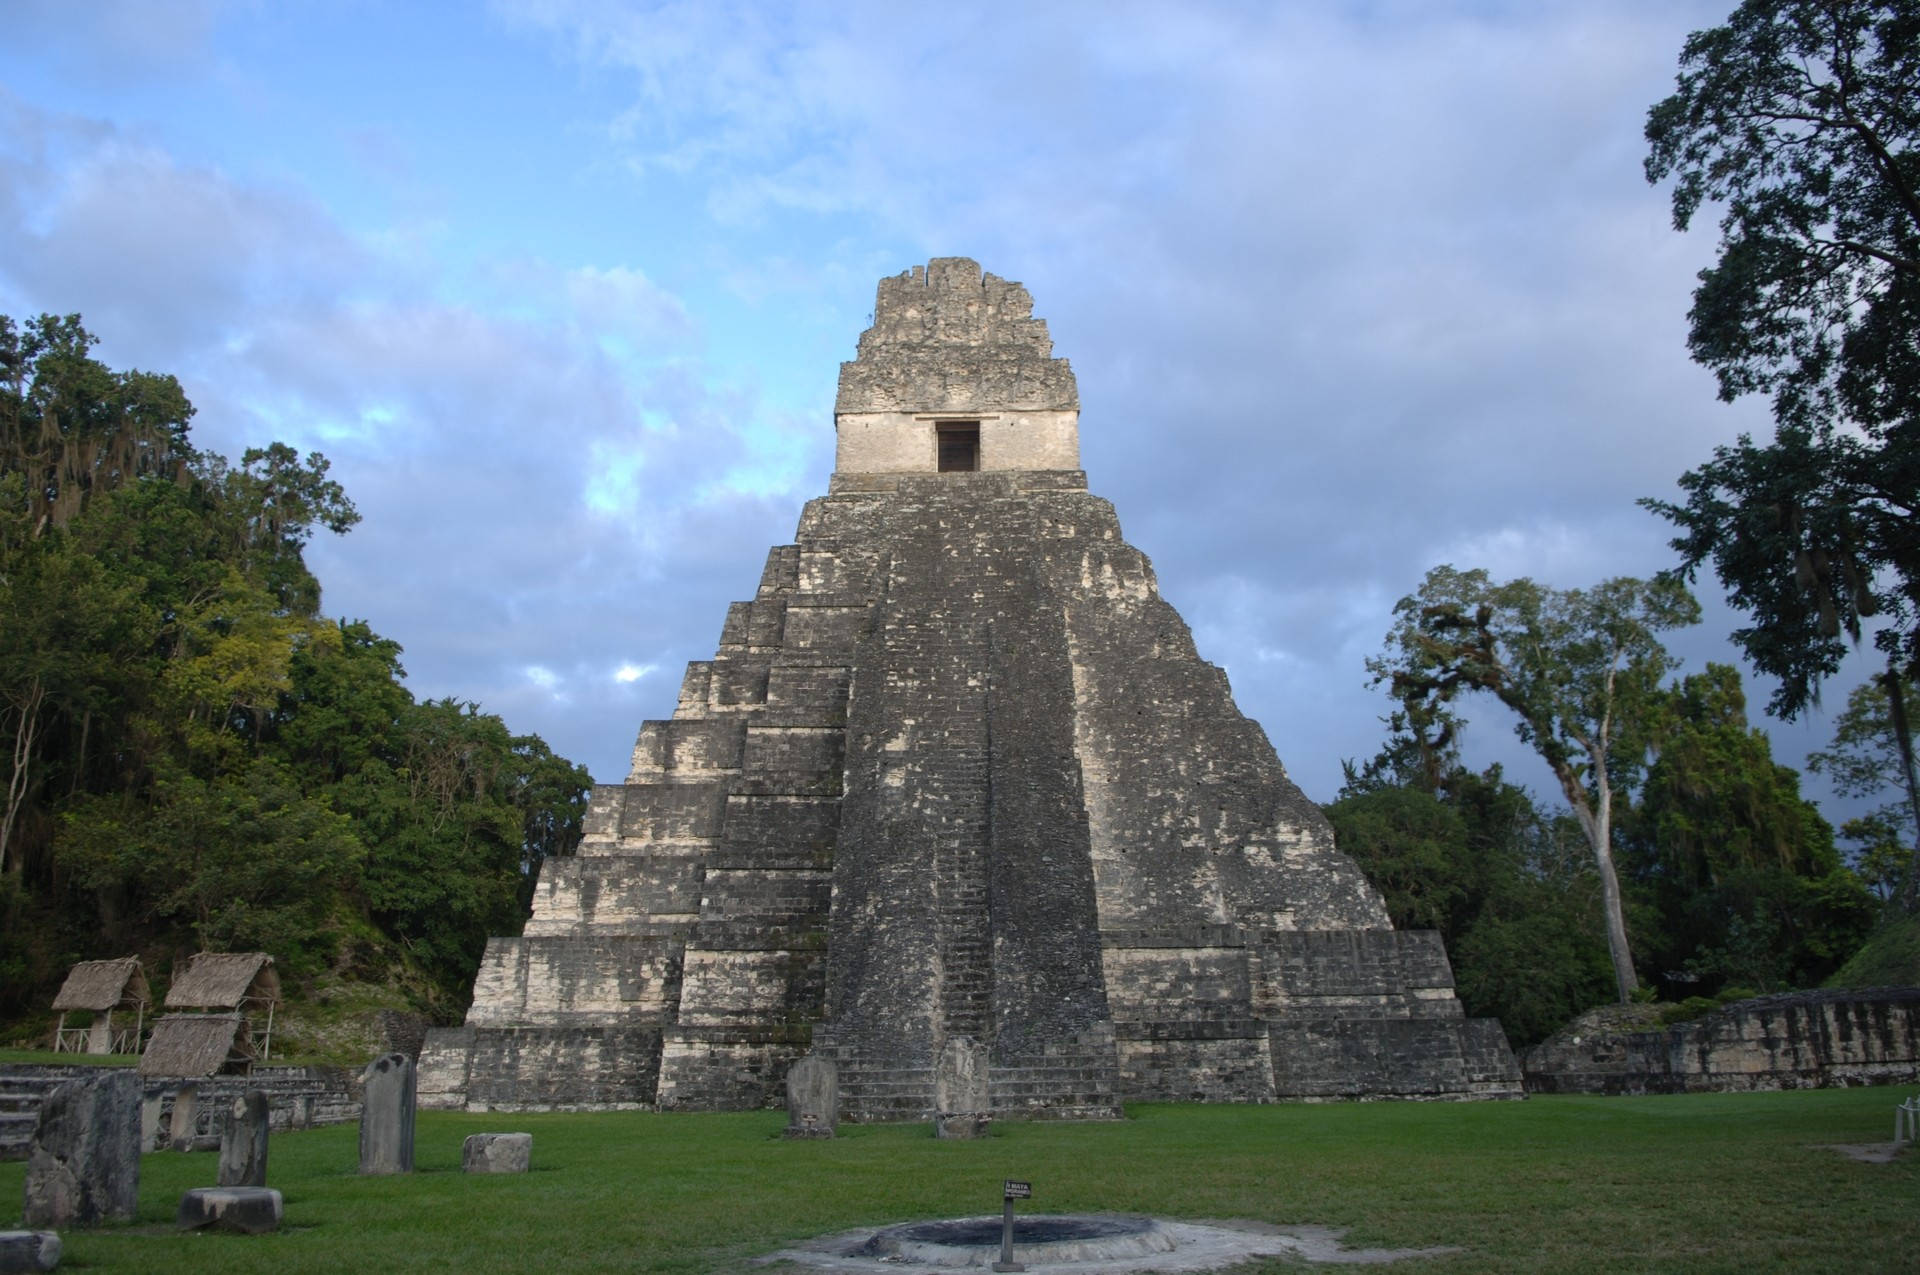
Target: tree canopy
{"type": "Point", "coordinates": [192, 755]}
{"type": "Point", "coordinates": [1579, 669]}
{"type": "Point", "coordinates": [1865, 759]}
{"type": "Point", "coordinates": [1509, 886]}
{"type": "Point", "coordinates": [1742, 869]}
{"type": "Point", "coordinates": [1799, 120]}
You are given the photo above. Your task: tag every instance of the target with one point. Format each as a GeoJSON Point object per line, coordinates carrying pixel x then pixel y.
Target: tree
{"type": "Point", "coordinates": [72, 427]}
{"type": "Point", "coordinates": [1865, 759]}
{"type": "Point", "coordinates": [1743, 869]}
{"type": "Point", "coordinates": [1510, 889]}
{"type": "Point", "coordinates": [1580, 669]}
{"type": "Point", "coordinates": [1800, 119]}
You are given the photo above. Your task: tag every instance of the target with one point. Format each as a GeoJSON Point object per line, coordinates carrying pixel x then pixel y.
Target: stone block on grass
{"type": "Point", "coordinates": [250, 1210]}
{"type": "Point", "coordinates": [28, 1252]}
{"type": "Point", "coordinates": [497, 1153]}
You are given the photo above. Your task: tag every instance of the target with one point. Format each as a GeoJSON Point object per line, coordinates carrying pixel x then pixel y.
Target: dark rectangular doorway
{"type": "Point", "coordinates": [959, 446]}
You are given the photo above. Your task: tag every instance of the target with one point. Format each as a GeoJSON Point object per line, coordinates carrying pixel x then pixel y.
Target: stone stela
{"type": "Point", "coordinates": [957, 773]}
{"type": "Point", "coordinates": [389, 1098]}
{"type": "Point", "coordinates": [243, 1140]}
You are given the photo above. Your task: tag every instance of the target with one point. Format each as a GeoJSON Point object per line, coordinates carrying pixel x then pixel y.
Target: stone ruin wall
{"type": "Point", "coordinates": [958, 770]}
{"type": "Point", "coordinates": [1794, 1040]}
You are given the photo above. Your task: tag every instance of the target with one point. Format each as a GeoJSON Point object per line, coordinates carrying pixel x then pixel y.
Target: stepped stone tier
{"type": "Point", "coordinates": [956, 771]}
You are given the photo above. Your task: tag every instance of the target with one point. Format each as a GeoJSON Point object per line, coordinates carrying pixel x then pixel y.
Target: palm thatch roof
{"type": "Point", "coordinates": [104, 985]}
{"type": "Point", "coordinates": [196, 1045]}
{"type": "Point", "coordinates": [222, 980]}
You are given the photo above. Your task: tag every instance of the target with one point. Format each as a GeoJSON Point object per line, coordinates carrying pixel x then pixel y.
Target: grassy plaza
{"type": "Point", "coordinates": [1714, 1182]}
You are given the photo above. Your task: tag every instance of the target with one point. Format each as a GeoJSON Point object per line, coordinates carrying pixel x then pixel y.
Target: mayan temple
{"type": "Point", "coordinates": [957, 771]}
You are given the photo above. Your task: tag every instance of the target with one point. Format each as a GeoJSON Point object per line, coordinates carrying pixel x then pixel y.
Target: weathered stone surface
{"type": "Point", "coordinates": [813, 1097]}
{"type": "Point", "coordinates": [151, 1107]}
{"type": "Point", "coordinates": [250, 1210]}
{"type": "Point", "coordinates": [496, 1153]}
{"type": "Point", "coordinates": [957, 770]}
{"type": "Point", "coordinates": [84, 1165]}
{"type": "Point", "coordinates": [962, 1100]}
{"type": "Point", "coordinates": [243, 1140]}
{"type": "Point", "coordinates": [184, 1126]}
{"type": "Point", "coordinates": [27, 1252]}
{"type": "Point", "coordinates": [1793, 1040]}
{"type": "Point", "coordinates": [386, 1115]}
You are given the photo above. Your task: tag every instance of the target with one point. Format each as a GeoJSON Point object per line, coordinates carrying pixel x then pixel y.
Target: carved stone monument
{"type": "Point", "coordinates": [957, 770]}
{"type": "Point", "coordinates": [243, 1140]}
{"type": "Point", "coordinates": [83, 1166]}
{"type": "Point", "coordinates": [386, 1115]}
{"type": "Point", "coordinates": [813, 1097]}
{"type": "Point", "coordinates": [962, 1103]}
{"type": "Point", "coordinates": [184, 1126]}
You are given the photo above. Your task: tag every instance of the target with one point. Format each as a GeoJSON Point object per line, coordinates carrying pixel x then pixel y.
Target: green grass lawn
{"type": "Point", "coordinates": [1691, 1183]}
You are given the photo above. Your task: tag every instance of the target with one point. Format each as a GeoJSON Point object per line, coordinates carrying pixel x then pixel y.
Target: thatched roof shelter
{"type": "Point", "coordinates": [198, 1045]}
{"type": "Point", "coordinates": [226, 980]}
{"type": "Point", "coordinates": [102, 986]}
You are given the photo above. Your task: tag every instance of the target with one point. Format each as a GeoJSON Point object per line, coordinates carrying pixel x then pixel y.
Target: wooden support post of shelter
{"type": "Point", "coordinates": [243, 982]}
{"type": "Point", "coordinates": [101, 988]}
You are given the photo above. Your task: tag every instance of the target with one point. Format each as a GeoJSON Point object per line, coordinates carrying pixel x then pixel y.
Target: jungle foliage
{"type": "Point", "coordinates": [1723, 875]}
{"type": "Point", "coordinates": [1800, 123]}
{"type": "Point", "coordinates": [193, 755]}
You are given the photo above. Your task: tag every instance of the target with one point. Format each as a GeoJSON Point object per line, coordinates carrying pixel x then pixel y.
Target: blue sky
{"type": "Point", "coordinates": [561, 287]}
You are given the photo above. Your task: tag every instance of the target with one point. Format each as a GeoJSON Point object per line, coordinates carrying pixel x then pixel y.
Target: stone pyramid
{"type": "Point", "coordinates": [957, 774]}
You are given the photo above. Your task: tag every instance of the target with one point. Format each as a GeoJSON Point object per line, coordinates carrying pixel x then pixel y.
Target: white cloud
{"type": "Point", "coordinates": [1350, 290]}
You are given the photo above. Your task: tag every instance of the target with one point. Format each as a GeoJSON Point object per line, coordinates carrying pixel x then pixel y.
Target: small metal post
{"type": "Point", "coordinates": [1006, 1262]}
{"type": "Point", "coordinates": [1008, 1194]}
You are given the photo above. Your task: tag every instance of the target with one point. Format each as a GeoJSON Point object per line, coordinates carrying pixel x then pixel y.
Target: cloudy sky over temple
{"type": "Point", "coordinates": [562, 288]}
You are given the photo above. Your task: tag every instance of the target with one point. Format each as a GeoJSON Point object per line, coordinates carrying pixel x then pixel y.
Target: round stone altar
{"type": "Point", "coordinates": [1079, 1244]}
{"type": "Point", "coordinates": [1044, 1240]}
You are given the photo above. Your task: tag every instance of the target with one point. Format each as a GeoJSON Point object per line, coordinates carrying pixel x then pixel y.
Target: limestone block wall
{"type": "Point", "coordinates": [1795, 1040]}
{"type": "Point", "coordinates": [948, 338]}
{"type": "Point", "coordinates": [907, 442]}
{"type": "Point", "coordinates": [557, 980]}
{"type": "Point", "coordinates": [531, 1068]}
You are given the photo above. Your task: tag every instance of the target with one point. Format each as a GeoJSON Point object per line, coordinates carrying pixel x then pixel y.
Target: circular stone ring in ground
{"type": "Point", "coordinates": [975, 1241]}
{"type": "Point", "coordinates": [1079, 1244]}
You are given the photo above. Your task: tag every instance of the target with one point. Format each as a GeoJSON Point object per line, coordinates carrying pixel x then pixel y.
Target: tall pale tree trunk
{"type": "Point", "coordinates": [1596, 821]}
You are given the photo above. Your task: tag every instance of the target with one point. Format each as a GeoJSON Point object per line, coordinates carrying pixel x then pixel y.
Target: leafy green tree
{"type": "Point", "coordinates": [1580, 669]}
{"type": "Point", "coordinates": [1536, 956]}
{"type": "Point", "coordinates": [244, 858]}
{"type": "Point", "coordinates": [1413, 847]}
{"type": "Point", "coordinates": [71, 636]}
{"type": "Point", "coordinates": [1798, 119]}
{"type": "Point", "coordinates": [71, 427]}
{"type": "Point", "coordinates": [1743, 869]}
{"type": "Point", "coordinates": [1865, 759]}
{"type": "Point", "coordinates": [188, 753]}
{"type": "Point", "coordinates": [1510, 889]}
